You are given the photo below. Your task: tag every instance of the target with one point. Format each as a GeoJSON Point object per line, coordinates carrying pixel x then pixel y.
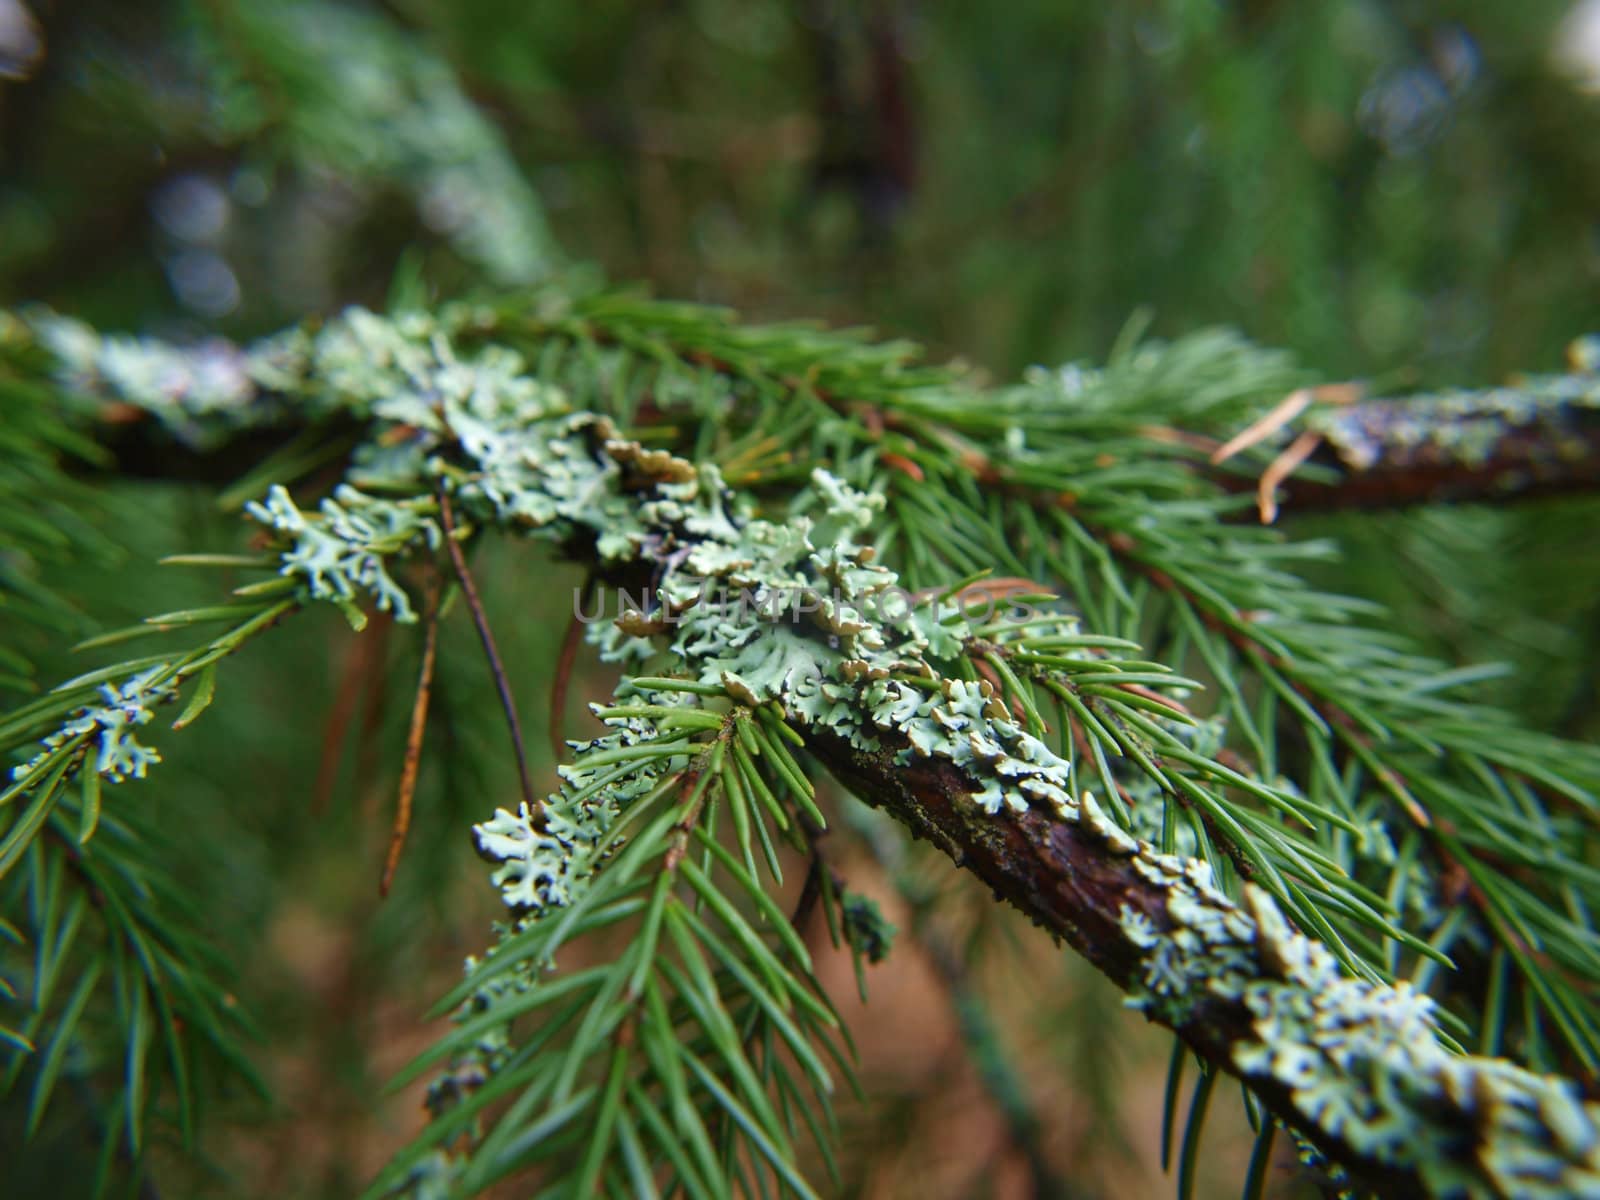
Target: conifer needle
{"type": "Point", "coordinates": [419, 723]}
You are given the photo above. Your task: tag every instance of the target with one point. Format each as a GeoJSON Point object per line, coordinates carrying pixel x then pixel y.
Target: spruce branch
{"type": "Point", "coordinates": [1458, 829]}
{"type": "Point", "coordinates": [515, 417]}
{"type": "Point", "coordinates": [1537, 436]}
{"type": "Point", "coordinates": [1346, 684]}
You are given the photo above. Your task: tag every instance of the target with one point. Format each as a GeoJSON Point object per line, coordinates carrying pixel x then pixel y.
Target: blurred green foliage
{"type": "Point", "coordinates": [1404, 191]}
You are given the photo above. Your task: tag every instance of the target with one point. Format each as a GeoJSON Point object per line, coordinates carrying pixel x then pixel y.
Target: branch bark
{"type": "Point", "coordinates": [1063, 875]}
{"type": "Point", "coordinates": [1491, 446]}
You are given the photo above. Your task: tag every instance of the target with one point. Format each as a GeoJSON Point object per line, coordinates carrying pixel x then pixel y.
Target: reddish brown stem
{"type": "Point", "coordinates": [496, 668]}
{"type": "Point", "coordinates": [419, 723]}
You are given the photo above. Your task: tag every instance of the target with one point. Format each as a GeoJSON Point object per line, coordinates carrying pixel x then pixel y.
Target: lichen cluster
{"type": "Point", "coordinates": [341, 553]}
{"type": "Point", "coordinates": [1364, 1065]}
{"type": "Point", "coordinates": [110, 728]}
{"type": "Point", "coordinates": [545, 856]}
{"type": "Point", "coordinates": [1360, 1060]}
{"type": "Point", "coordinates": [201, 394]}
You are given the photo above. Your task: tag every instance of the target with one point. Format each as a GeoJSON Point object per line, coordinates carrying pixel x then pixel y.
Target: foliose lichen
{"type": "Point", "coordinates": [867, 930]}
{"type": "Point", "coordinates": [116, 752]}
{"type": "Point", "coordinates": [1361, 1060]}
{"type": "Point", "coordinates": [1467, 428]}
{"type": "Point", "coordinates": [201, 393]}
{"type": "Point", "coordinates": [343, 549]}
{"type": "Point", "coordinates": [545, 856]}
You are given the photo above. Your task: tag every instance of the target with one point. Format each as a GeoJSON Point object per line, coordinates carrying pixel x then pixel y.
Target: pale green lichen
{"type": "Point", "coordinates": [402, 369]}
{"type": "Point", "coordinates": [341, 550]}
{"type": "Point", "coordinates": [1361, 1061]}
{"type": "Point", "coordinates": [546, 855]}
{"type": "Point", "coordinates": [797, 612]}
{"type": "Point", "coordinates": [201, 393]}
{"type": "Point", "coordinates": [869, 933]}
{"type": "Point", "coordinates": [116, 752]}
{"type": "Point", "coordinates": [538, 869]}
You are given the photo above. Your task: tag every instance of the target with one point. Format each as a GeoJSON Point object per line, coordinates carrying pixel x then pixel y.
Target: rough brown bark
{"type": "Point", "coordinates": [1060, 875]}
{"type": "Point", "coordinates": [1489, 446]}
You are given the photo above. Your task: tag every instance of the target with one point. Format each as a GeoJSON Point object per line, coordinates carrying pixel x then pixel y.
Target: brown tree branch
{"type": "Point", "coordinates": [1064, 875]}
{"type": "Point", "coordinates": [1492, 446]}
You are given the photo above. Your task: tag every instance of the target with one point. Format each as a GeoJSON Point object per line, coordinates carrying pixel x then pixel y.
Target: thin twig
{"type": "Point", "coordinates": [419, 723]}
{"type": "Point", "coordinates": [810, 893]}
{"type": "Point", "coordinates": [678, 846]}
{"type": "Point", "coordinates": [502, 685]}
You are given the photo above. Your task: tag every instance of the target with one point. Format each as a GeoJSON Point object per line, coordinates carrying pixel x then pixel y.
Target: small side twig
{"type": "Point", "coordinates": [419, 723]}
{"type": "Point", "coordinates": [678, 847]}
{"type": "Point", "coordinates": [479, 619]}
{"type": "Point", "coordinates": [811, 891]}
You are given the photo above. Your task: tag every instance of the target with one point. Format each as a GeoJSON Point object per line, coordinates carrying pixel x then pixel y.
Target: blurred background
{"type": "Point", "coordinates": [1400, 192]}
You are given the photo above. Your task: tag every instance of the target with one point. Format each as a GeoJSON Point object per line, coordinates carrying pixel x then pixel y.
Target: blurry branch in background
{"type": "Point", "coordinates": [865, 112]}
{"type": "Point", "coordinates": [1325, 448]}
{"type": "Point", "coordinates": [352, 94]}
{"type": "Point", "coordinates": [327, 110]}
{"type": "Point", "coordinates": [21, 46]}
